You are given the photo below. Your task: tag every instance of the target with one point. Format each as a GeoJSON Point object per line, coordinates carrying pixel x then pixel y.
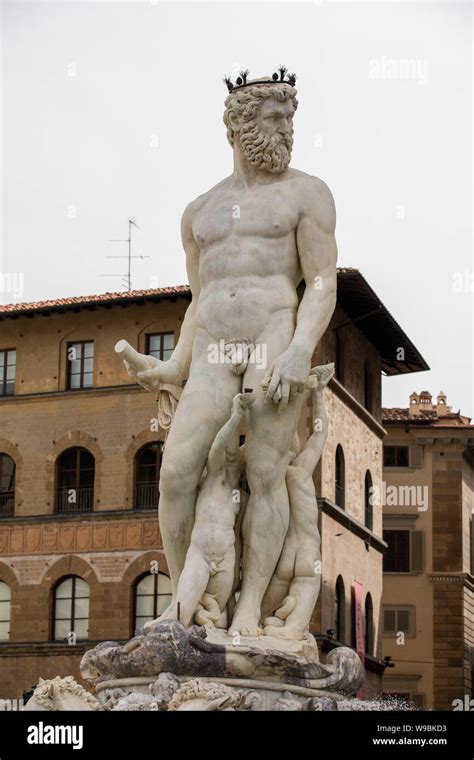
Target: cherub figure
{"type": "Point", "coordinates": [208, 575]}
{"type": "Point", "coordinates": [295, 585]}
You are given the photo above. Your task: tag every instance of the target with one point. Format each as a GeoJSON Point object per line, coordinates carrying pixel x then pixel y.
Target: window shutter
{"type": "Point", "coordinates": [403, 621]}
{"type": "Point", "coordinates": [389, 621]}
{"type": "Point", "coordinates": [418, 700]}
{"type": "Point", "coordinates": [417, 551]}
{"type": "Point", "coordinates": [416, 456]}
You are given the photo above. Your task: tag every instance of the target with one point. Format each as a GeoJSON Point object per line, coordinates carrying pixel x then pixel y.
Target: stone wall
{"type": "Point", "coordinates": [453, 601]}
{"type": "Point", "coordinates": [362, 449]}
{"type": "Point", "coordinates": [356, 350]}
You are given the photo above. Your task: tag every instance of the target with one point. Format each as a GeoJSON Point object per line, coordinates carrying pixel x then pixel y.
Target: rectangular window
{"type": "Point", "coordinates": [398, 620]}
{"type": "Point", "coordinates": [160, 345]}
{"type": "Point", "coordinates": [7, 372]}
{"type": "Point", "coordinates": [397, 557]}
{"type": "Point", "coordinates": [405, 552]}
{"type": "Point", "coordinates": [80, 359]}
{"type": "Point", "coordinates": [396, 456]}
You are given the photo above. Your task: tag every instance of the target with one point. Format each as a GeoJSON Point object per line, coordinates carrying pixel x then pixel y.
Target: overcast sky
{"type": "Point", "coordinates": [115, 109]}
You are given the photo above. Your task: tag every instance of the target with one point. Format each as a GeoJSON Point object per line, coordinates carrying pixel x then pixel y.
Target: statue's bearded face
{"type": "Point", "coordinates": [267, 139]}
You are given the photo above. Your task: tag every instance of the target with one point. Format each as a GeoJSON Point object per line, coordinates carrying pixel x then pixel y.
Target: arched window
{"type": "Point", "coordinates": [5, 611]}
{"type": "Point", "coordinates": [340, 477]}
{"type": "Point", "coordinates": [339, 609]}
{"type": "Point", "coordinates": [353, 619]}
{"type": "Point", "coordinates": [369, 624]}
{"type": "Point", "coordinates": [152, 597]}
{"type": "Point", "coordinates": [75, 481]}
{"type": "Point", "coordinates": [368, 387]}
{"type": "Point", "coordinates": [147, 476]}
{"type": "Point", "coordinates": [7, 485]}
{"type": "Point", "coordinates": [71, 609]}
{"type": "Point", "coordinates": [368, 499]}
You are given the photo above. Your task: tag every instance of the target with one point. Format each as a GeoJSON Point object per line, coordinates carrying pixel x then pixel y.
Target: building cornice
{"type": "Point", "coordinates": [465, 579]}
{"type": "Point", "coordinates": [444, 442]}
{"type": "Point", "coordinates": [344, 519]}
{"type": "Point", "coordinates": [89, 392]}
{"type": "Point", "coordinates": [82, 517]}
{"type": "Point", "coordinates": [347, 398]}
{"type": "Point", "coordinates": [46, 648]}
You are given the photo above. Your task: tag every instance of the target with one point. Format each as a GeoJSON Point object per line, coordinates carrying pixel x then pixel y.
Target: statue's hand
{"type": "Point", "coordinates": [324, 373]}
{"type": "Point", "coordinates": [242, 401]}
{"type": "Point", "coordinates": [133, 371]}
{"type": "Point", "coordinates": [288, 376]}
{"type": "Point", "coordinates": [158, 372]}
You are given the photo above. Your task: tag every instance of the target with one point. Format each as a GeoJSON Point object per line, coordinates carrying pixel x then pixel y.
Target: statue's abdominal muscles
{"type": "Point", "coordinates": [248, 270]}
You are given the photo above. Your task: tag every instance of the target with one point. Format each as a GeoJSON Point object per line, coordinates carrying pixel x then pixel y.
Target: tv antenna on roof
{"type": "Point", "coordinates": [126, 278]}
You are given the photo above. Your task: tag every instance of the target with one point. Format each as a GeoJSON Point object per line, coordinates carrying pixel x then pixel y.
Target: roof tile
{"type": "Point", "coordinates": [12, 308]}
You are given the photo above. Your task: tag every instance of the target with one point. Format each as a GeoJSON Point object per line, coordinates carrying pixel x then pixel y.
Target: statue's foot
{"type": "Point", "coordinates": [284, 632]}
{"type": "Point", "coordinates": [147, 626]}
{"type": "Point", "coordinates": [246, 626]}
{"type": "Point", "coordinates": [169, 614]}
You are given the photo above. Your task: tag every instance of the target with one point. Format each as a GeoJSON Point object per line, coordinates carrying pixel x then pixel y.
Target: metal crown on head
{"type": "Point", "coordinates": [280, 77]}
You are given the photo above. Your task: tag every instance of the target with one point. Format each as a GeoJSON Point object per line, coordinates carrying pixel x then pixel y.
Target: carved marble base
{"type": "Point", "coordinates": [170, 667]}
{"type": "Point", "coordinates": [168, 692]}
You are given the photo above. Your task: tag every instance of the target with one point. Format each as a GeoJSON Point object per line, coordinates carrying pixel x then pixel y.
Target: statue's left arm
{"type": "Point", "coordinates": [309, 457]}
{"type": "Point", "coordinates": [227, 438]}
{"type": "Point", "coordinates": [317, 253]}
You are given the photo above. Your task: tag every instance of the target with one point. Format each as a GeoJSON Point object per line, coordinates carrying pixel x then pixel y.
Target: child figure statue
{"type": "Point", "coordinates": [206, 581]}
{"type": "Point", "coordinates": [295, 585]}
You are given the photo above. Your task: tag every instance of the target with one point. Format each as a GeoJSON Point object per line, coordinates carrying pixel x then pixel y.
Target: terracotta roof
{"type": "Point", "coordinates": [425, 417]}
{"type": "Point", "coordinates": [60, 303]}
{"type": "Point", "coordinates": [397, 413]}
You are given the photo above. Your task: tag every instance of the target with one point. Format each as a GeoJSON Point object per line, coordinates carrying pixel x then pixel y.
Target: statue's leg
{"type": "Point", "coordinates": [192, 585]}
{"type": "Point", "coordinates": [280, 583]}
{"type": "Point", "coordinates": [306, 583]}
{"type": "Point", "coordinates": [231, 602]}
{"type": "Point", "coordinates": [220, 584]}
{"type": "Point", "coordinates": [202, 410]}
{"type": "Point", "coordinates": [268, 440]}
{"type": "Point", "coordinates": [305, 587]}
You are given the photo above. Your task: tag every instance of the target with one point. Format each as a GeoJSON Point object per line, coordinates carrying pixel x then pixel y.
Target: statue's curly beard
{"type": "Point", "coordinates": [270, 153]}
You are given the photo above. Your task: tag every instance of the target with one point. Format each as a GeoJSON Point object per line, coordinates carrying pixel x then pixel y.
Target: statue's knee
{"type": "Point", "coordinates": [175, 477]}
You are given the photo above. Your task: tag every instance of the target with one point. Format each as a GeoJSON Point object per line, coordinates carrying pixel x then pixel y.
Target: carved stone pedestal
{"type": "Point", "coordinates": [170, 667]}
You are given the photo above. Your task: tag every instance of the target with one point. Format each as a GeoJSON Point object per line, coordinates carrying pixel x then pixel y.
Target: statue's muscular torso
{"type": "Point", "coordinates": [248, 264]}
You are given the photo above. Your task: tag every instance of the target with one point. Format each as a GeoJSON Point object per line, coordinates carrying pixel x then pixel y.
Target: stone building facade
{"type": "Point", "coordinates": [428, 598]}
{"type": "Point", "coordinates": [81, 557]}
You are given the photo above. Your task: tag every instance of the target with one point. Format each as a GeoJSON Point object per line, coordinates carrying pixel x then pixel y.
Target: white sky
{"type": "Point", "coordinates": [88, 87]}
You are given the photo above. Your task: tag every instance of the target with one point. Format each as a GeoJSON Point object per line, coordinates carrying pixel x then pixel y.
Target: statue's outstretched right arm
{"type": "Point", "coordinates": [176, 369]}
